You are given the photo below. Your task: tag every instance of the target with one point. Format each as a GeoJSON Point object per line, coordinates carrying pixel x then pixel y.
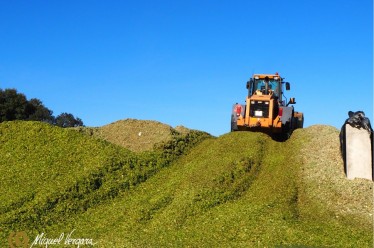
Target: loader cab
{"type": "Point", "coordinates": [266, 85]}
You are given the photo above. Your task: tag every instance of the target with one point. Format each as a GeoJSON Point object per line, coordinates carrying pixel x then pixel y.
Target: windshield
{"type": "Point", "coordinates": [260, 87]}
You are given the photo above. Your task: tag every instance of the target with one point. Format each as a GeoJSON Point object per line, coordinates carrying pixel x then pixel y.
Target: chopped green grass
{"type": "Point", "coordinates": [323, 184]}
{"type": "Point", "coordinates": [49, 173]}
{"type": "Point", "coordinates": [241, 189]}
{"type": "Point", "coordinates": [135, 135]}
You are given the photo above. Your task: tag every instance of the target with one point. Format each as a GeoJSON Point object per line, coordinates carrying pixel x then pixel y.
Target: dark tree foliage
{"type": "Point", "coordinates": [36, 111]}
{"type": "Point", "coordinates": [68, 120]}
{"type": "Point", "coordinates": [12, 105]}
{"type": "Point", "coordinates": [15, 106]}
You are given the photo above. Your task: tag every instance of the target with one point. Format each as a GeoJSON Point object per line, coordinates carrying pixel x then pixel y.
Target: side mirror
{"type": "Point", "coordinates": [288, 86]}
{"type": "Point", "coordinates": [249, 83]}
{"type": "Point", "coordinates": [291, 101]}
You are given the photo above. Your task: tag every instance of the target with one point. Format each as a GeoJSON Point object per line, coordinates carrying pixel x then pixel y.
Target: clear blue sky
{"type": "Point", "coordinates": [187, 62]}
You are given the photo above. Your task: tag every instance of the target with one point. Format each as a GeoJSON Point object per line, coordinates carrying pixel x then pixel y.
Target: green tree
{"type": "Point", "coordinates": [68, 120]}
{"type": "Point", "coordinates": [12, 105]}
{"type": "Point", "coordinates": [15, 106]}
{"type": "Point", "coordinates": [36, 111]}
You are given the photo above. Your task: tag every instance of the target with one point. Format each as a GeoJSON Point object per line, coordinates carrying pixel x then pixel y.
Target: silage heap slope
{"type": "Point", "coordinates": [135, 135]}
{"type": "Point", "coordinates": [322, 179]}
{"type": "Point", "coordinates": [240, 189]}
{"type": "Point", "coordinates": [43, 166]}
{"type": "Point", "coordinates": [48, 173]}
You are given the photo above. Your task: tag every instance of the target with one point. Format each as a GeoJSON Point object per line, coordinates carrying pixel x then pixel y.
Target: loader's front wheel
{"type": "Point", "coordinates": [300, 119]}
{"type": "Point", "coordinates": [234, 125]}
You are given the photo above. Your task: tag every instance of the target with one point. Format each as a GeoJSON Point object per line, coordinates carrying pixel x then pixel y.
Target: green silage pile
{"type": "Point", "coordinates": [190, 190]}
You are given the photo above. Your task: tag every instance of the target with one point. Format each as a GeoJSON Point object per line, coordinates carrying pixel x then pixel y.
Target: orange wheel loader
{"type": "Point", "coordinates": [266, 109]}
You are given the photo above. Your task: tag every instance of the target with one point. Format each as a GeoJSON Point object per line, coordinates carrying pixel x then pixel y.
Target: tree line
{"type": "Point", "coordinates": [15, 106]}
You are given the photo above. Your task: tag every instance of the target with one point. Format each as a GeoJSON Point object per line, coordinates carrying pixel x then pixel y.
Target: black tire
{"type": "Point", "coordinates": [300, 123]}
{"type": "Point", "coordinates": [234, 125]}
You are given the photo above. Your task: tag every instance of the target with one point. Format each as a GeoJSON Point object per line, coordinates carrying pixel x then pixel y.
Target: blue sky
{"type": "Point", "coordinates": [187, 62]}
